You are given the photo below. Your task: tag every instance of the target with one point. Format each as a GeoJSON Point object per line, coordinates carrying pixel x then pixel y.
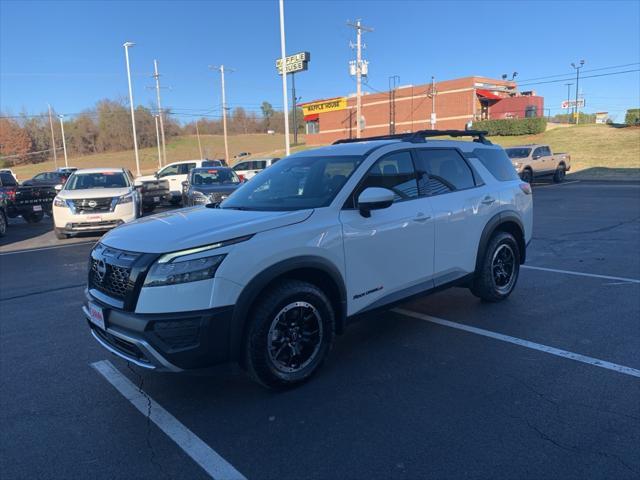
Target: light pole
{"type": "Point", "coordinates": [133, 116]}
{"type": "Point", "coordinates": [155, 117]}
{"type": "Point", "coordinates": [577, 67]}
{"type": "Point", "coordinates": [64, 143]}
{"type": "Point", "coordinates": [53, 139]}
{"type": "Point", "coordinates": [568, 99]}
{"type": "Point", "coordinates": [224, 111]}
{"type": "Point", "coordinates": [285, 97]}
{"type": "Point", "coordinates": [156, 75]}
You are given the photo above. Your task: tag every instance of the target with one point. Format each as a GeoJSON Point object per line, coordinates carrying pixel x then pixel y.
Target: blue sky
{"type": "Point", "coordinates": [70, 53]}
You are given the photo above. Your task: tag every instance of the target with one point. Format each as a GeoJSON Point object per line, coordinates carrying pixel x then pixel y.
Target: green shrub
{"type": "Point", "coordinates": [632, 117]}
{"type": "Point", "coordinates": [522, 126]}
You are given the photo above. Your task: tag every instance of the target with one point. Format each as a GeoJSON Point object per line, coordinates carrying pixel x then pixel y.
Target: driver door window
{"type": "Point", "coordinates": [170, 170]}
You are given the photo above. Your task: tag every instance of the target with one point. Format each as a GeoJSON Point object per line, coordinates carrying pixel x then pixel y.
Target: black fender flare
{"type": "Point", "coordinates": [494, 224]}
{"type": "Point", "coordinates": [258, 283]}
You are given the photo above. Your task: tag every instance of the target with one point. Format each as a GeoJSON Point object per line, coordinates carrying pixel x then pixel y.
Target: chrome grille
{"type": "Point", "coordinates": [93, 205]}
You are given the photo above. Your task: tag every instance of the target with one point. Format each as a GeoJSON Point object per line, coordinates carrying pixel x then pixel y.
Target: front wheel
{"type": "Point", "coordinates": [59, 233]}
{"type": "Point", "coordinates": [290, 333]}
{"type": "Point", "coordinates": [560, 173]}
{"type": "Point", "coordinates": [498, 270]}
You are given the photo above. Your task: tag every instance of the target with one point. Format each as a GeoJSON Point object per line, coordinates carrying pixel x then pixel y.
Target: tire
{"type": "Point", "coordinates": [3, 224]}
{"type": "Point", "coordinates": [33, 217]}
{"type": "Point", "coordinates": [299, 306]}
{"type": "Point", "coordinates": [176, 201]}
{"type": "Point", "coordinates": [496, 276]}
{"type": "Point", "coordinates": [59, 234]}
{"type": "Point", "coordinates": [558, 177]}
{"type": "Point", "coordinates": [527, 175]}
{"type": "Point", "coordinates": [148, 208]}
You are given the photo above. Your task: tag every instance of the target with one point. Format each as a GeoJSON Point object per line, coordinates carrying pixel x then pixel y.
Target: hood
{"type": "Point", "coordinates": [145, 178]}
{"type": "Point", "coordinates": [94, 193]}
{"type": "Point", "coordinates": [207, 189]}
{"type": "Point", "coordinates": [194, 227]}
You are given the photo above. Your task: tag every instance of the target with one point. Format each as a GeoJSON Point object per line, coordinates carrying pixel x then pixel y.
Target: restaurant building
{"type": "Point", "coordinates": [455, 103]}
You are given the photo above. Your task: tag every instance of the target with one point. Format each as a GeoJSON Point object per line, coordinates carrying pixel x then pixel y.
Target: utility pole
{"type": "Point", "coordinates": [156, 75]}
{"type": "Point", "coordinates": [133, 116]}
{"type": "Point", "coordinates": [568, 85]}
{"type": "Point", "coordinates": [359, 29]}
{"type": "Point", "coordinates": [394, 80]}
{"type": "Point", "coordinates": [577, 68]}
{"type": "Point", "coordinates": [155, 117]}
{"type": "Point", "coordinates": [199, 144]}
{"type": "Point", "coordinates": [433, 94]}
{"type": "Point", "coordinates": [53, 139]}
{"type": "Point", "coordinates": [221, 69]}
{"type": "Point", "coordinates": [285, 96]}
{"type": "Point", "coordinates": [64, 143]}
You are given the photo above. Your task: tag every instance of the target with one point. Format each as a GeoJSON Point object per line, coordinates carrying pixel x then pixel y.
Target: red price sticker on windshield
{"type": "Point", "coordinates": [212, 171]}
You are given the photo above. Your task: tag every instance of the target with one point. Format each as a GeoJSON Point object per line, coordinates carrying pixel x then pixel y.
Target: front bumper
{"type": "Point", "coordinates": [69, 222]}
{"type": "Point", "coordinates": [170, 342]}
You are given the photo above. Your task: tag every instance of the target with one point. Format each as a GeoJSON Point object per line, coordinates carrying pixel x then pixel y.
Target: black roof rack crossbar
{"type": "Point", "coordinates": [421, 135]}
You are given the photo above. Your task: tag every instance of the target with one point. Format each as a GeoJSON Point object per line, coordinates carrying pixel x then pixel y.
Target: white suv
{"type": "Point", "coordinates": [95, 199]}
{"type": "Point", "coordinates": [248, 169]}
{"type": "Point", "coordinates": [271, 274]}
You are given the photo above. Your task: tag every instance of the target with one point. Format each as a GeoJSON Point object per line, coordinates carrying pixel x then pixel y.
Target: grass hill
{"type": "Point", "coordinates": [597, 151]}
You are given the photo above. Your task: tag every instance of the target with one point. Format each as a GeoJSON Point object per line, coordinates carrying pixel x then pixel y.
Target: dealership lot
{"type": "Point", "coordinates": [403, 394]}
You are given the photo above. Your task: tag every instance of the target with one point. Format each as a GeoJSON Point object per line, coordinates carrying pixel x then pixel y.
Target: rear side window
{"type": "Point", "coordinates": [447, 171]}
{"type": "Point", "coordinates": [497, 162]}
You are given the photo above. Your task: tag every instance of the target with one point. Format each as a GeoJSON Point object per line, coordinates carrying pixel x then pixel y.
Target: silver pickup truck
{"type": "Point", "coordinates": [531, 161]}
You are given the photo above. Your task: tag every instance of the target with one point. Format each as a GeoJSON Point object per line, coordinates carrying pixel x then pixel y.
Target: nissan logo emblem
{"type": "Point", "coordinates": [93, 204]}
{"type": "Point", "coordinates": [101, 270]}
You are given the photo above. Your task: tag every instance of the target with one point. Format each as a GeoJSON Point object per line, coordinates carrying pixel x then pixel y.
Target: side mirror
{"type": "Point", "coordinates": [58, 187]}
{"type": "Point", "coordinates": [374, 198]}
{"type": "Point", "coordinates": [185, 184]}
{"type": "Point", "coordinates": [536, 157]}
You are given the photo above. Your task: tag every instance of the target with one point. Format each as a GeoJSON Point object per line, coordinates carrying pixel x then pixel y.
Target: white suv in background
{"type": "Point", "coordinates": [95, 199]}
{"type": "Point", "coordinates": [270, 275]}
{"type": "Point", "coordinates": [248, 169]}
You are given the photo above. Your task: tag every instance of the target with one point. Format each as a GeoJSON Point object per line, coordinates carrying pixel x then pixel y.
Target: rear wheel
{"type": "Point", "coordinates": [527, 175]}
{"type": "Point", "coordinates": [560, 173]}
{"type": "Point", "coordinates": [59, 233]}
{"type": "Point", "coordinates": [3, 224]}
{"type": "Point", "coordinates": [498, 270]}
{"type": "Point", "coordinates": [34, 217]}
{"type": "Point", "coordinates": [291, 331]}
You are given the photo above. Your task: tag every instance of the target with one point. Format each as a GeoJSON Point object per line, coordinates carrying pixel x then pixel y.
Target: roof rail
{"type": "Point", "coordinates": [421, 135]}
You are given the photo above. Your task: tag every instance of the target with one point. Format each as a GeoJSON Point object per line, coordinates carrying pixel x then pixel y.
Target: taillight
{"type": "Point", "coordinates": [11, 194]}
{"type": "Point", "coordinates": [526, 188]}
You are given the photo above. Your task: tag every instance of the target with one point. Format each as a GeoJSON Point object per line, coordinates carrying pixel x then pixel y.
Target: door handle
{"type": "Point", "coordinates": [488, 200]}
{"type": "Point", "coordinates": [422, 218]}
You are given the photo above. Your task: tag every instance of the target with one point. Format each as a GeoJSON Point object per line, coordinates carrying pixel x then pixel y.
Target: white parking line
{"type": "Point", "coordinates": [212, 463]}
{"type": "Point", "coordinates": [582, 274]}
{"type": "Point", "coordinates": [538, 185]}
{"type": "Point", "coordinates": [40, 249]}
{"type": "Point", "coordinates": [523, 343]}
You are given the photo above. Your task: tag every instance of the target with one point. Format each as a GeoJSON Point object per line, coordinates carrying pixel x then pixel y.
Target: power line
{"type": "Point", "coordinates": [586, 76]}
{"type": "Point", "coordinates": [591, 70]}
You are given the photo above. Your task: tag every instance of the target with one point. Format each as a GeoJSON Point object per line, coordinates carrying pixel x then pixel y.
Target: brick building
{"type": "Point", "coordinates": [457, 102]}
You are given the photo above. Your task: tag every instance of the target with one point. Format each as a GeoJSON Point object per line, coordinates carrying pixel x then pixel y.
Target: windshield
{"type": "Point", "coordinates": [518, 152]}
{"type": "Point", "coordinates": [83, 181]}
{"type": "Point", "coordinates": [214, 176]}
{"type": "Point", "coordinates": [295, 183]}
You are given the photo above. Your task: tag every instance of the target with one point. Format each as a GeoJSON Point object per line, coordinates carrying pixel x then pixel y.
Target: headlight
{"type": "Point", "coordinates": [58, 202]}
{"type": "Point", "coordinates": [199, 197]}
{"type": "Point", "coordinates": [128, 198]}
{"type": "Point", "coordinates": [175, 271]}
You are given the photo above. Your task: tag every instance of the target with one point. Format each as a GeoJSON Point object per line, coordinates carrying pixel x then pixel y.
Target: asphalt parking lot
{"type": "Point", "coordinates": [544, 385]}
